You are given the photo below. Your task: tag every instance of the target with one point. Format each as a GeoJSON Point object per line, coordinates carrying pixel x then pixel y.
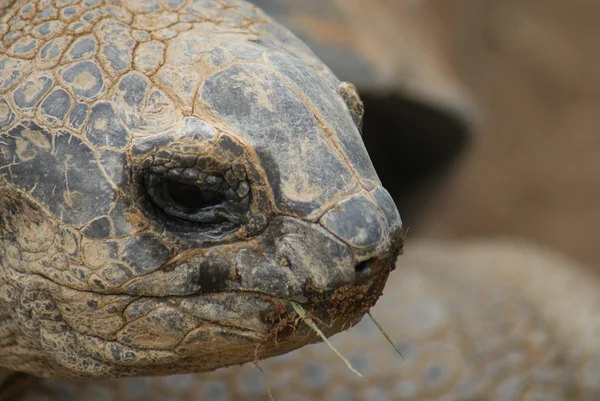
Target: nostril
{"type": "Point", "coordinates": [365, 267]}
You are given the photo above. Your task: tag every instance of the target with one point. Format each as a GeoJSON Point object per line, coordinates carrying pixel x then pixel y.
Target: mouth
{"type": "Point", "coordinates": [222, 329]}
{"type": "Point", "coordinates": [354, 299]}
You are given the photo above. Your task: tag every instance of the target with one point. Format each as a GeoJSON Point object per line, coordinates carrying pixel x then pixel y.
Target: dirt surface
{"type": "Point", "coordinates": [534, 170]}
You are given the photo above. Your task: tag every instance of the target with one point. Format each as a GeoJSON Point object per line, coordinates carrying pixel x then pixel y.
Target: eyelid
{"type": "Point", "coordinates": [187, 175]}
{"type": "Point", "coordinates": [190, 167]}
{"type": "Point", "coordinates": [169, 160]}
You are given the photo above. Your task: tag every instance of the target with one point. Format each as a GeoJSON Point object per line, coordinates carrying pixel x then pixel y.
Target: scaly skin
{"type": "Point", "coordinates": [172, 174]}
{"type": "Point", "coordinates": [496, 320]}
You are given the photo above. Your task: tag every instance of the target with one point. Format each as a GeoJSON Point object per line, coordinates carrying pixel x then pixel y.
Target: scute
{"type": "Point", "coordinates": [55, 106]}
{"type": "Point", "coordinates": [104, 127]}
{"type": "Point", "coordinates": [24, 47]}
{"type": "Point", "coordinates": [84, 79]}
{"type": "Point", "coordinates": [83, 48]}
{"type": "Point", "coordinates": [27, 95]}
{"type": "Point", "coordinates": [145, 253]}
{"type": "Point", "coordinates": [333, 115]}
{"type": "Point", "coordinates": [345, 222]}
{"type": "Point", "coordinates": [117, 45]}
{"type": "Point", "coordinates": [58, 169]}
{"type": "Point", "coordinates": [78, 115]}
{"type": "Point", "coordinates": [7, 116]}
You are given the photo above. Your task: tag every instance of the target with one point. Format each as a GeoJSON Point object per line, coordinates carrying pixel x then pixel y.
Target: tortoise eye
{"type": "Point", "coordinates": [190, 197]}
{"type": "Point", "coordinates": [195, 202]}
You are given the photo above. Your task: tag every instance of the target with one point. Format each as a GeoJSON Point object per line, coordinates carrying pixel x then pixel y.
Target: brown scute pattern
{"type": "Point", "coordinates": [510, 345]}
{"type": "Point", "coordinates": [100, 100]}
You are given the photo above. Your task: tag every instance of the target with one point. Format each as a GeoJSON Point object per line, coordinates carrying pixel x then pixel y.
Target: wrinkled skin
{"type": "Point", "coordinates": [172, 174]}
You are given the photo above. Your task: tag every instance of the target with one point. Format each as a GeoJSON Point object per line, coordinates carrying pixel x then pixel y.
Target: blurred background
{"type": "Point", "coordinates": [533, 167]}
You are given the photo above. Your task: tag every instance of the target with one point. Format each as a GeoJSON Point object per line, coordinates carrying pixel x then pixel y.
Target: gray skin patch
{"type": "Point", "coordinates": [133, 88]}
{"type": "Point", "coordinates": [277, 124]}
{"type": "Point", "coordinates": [90, 16]}
{"type": "Point", "coordinates": [56, 105]}
{"type": "Point", "coordinates": [12, 36]}
{"type": "Point", "coordinates": [131, 94]}
{"type": "Point", "coordinates": [143, 109]}
{"type": "Point", "coordinates": [357, 221]}
{"type": "Point", "coordinates": [46, 14]}
{"type": "Point", "coordinates": [98, 229]}
{"type": "Point", "coordinates": [25, 46]}
{"type": "Point", "coordinates": [114, 164]}
{"type": "Point", "coordinates": [12, 69]}
{"type": "Point", "coordinates": [145, 6]}
{"type": "Point", "coordinates": [144, 253]}
{"type": "Point", "coordinates": [62, 3]}
{"type": "Point", "coordinates": [122, 226]}
{"type": "Point", "coordinates": [78, 115]}
{"type": "Point", "coordinates": [58, 170]}
{"type": "Point", "coordinates": [200, 7]}
{"type": "Point", "coordinates": [243, 51]}
{"type": "Point", "coordinates": [149, 55]}
{"type": "Point", "coordinates": [386, 204]}
{"type": "Point", "coordinates": [50, 51]}
{"type": "Point", "coordinates": [311, 252]}
{"type": "Point", "coordinates": [330, 106]}
{"type": "Point", "coordinates": [174, 4]}
{"type": "Point", "coordinates": [85, 79]}
{"type": "Point", "coordinates": [117, 45]}
{"type": "Point", "coordinates": [69, 12]}
{"type": "Point", "coordinates": [7, 117]}
{"type": "Point", "coordinates": [91, 3]}
{"type": "Point", "coordinates": [27, 11]}
{"type": "Point", "coordinates": [49, 29]}
{"type": "Point", "coordinates": [104, 127]}
{"type": "Point", "coordinates": [31, 91]}
{"type": "Point", "coordinates": [83, 48]}
{"type": "Point", "coordinates": [78, 27]}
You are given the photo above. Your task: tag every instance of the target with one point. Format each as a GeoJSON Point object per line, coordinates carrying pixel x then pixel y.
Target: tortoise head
{"type": "Point", "coordinates": [161, 207]}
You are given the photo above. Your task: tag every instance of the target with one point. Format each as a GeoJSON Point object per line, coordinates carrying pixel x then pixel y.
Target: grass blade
{"type": "Point", "coordinates": [385, 334]}
{"type": "Point", "coordinates": [302, 313]}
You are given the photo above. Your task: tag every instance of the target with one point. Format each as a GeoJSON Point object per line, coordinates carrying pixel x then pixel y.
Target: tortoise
{"type": "Point", "coordinates": [174, 174]}
{"type": "Point", "coordinates": [475, 320]}
{"type": "Point", "coordinates": [471, 321]}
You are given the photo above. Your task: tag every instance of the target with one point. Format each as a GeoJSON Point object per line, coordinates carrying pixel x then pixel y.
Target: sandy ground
{"type": "Point", "coordinates": [534, 169]}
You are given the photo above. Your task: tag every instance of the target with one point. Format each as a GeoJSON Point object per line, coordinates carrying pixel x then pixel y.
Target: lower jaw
{"type": "Point", "coordinates": [210, 346]}
{"type": "Point", "coordinates": [93, 358]}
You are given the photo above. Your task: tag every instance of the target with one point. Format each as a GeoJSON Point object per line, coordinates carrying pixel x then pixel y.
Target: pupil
{"type": "Point", "coordinates": [190, 196]}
